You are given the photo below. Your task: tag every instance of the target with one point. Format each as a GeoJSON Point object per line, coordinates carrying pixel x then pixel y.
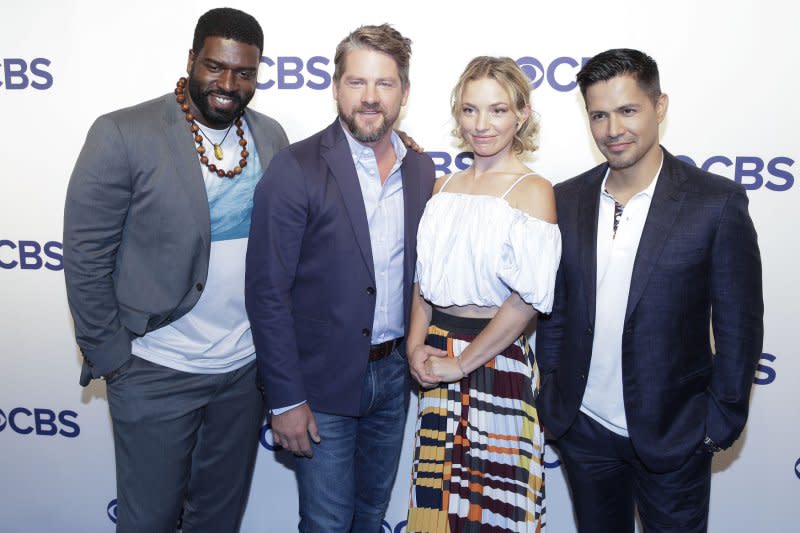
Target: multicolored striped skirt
{"type": "Point", "coordinates": [478, 457]}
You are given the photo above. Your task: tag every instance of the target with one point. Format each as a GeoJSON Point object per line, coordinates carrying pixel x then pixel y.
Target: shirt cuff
{"type": "Point", "coordinates": [281, 410]}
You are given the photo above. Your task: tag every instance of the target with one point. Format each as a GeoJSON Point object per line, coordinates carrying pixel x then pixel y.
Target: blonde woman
{"type": "Point", "coordinates": [488, 251]}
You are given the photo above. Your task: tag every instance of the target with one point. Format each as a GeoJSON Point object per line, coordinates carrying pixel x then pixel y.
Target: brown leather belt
{"type": "Point", "coordinates": [379, 351]}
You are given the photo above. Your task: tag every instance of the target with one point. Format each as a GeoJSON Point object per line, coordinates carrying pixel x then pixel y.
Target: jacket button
{"type": "Point", "coordinates": [590, 331]}
{"type": "Point", "coordinates": [365, 332]}
{"type": "Point", "coordinates": [583, 377]}
{"type": "Point", "coordinates": [370, 290]}
{"type": "Point", "coordinates": [199, 287]}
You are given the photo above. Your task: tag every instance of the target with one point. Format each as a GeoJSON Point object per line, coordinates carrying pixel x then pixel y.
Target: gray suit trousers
{"type": "Point", "coordinates": [185, 446]}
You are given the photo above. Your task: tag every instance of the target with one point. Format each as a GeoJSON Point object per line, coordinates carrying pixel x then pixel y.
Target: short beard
{"type": "Point", "coordinates": [621, 164]}
{"type": "Point", "coordinates": [214, 118]}
{"type": "Point", "coordinates": [364, 136]}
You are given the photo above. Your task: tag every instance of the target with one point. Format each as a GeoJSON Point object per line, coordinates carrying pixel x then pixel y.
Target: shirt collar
{"type": "Point", "coordinates": [645, 192]}
{"type": "Point", "coordinates": [360, 151]}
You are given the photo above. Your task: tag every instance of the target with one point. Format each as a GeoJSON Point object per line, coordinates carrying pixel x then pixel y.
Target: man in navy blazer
{"type": "Point", "coordinates": [634, 389]}
{"type": "Point", "coordinates": [330, 266]}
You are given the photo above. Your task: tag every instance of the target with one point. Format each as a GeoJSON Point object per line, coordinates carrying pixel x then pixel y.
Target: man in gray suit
{"type": "Point", "coordinates": [155, 232]}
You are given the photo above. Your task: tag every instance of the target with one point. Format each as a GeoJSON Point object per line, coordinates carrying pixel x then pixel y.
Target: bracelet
{"type": "Point", "coordinates": [458, 362]}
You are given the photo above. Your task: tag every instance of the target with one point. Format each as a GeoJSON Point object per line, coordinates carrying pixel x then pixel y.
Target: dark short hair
{"type": "Point", "coordinates": [228, 23]}
{"type": "Point", "coordinates": [619, 62]}
{"type": "Point", "coordinates": [381, 38]}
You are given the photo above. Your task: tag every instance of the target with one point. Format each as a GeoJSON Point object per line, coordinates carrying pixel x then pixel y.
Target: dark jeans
{"type": "Point", "coordinates": [607, 480]}
{"type": "Point", "coordinates": [183, 441]}
{"type": "Point", "coordinates": [346, 485]}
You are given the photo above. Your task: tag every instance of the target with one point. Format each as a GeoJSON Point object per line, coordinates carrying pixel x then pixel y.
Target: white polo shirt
{"type": "Point", "coordinates": [616, 252]}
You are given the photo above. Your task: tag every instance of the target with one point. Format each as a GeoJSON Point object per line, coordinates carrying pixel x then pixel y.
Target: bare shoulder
{"type": "Point", "coordinates": [534, 195]}
{"type": "Point", "coordinates": [439, 182]}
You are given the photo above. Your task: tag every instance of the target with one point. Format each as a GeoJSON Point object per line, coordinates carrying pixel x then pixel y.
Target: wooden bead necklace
{"type": "Point", "coordinates": [180, 97]}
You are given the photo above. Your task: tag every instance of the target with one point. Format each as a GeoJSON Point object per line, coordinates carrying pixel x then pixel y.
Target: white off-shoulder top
{"type": "Point", "coordinates": [476, 249]}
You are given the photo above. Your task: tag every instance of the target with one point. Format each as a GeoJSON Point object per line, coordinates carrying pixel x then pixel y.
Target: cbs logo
{"type": "Point", "coordinates": [442, 161]}
{"type": "Point", "coordinates": [111, 511]}
{"type": "Point", "coordinates": [265, 437]}
{"type": "Point", "coordinates": [41, 422]}
{"type": "Point", "coordinates": [558, 73]}
{"type": "Point", "coordinates": [765, 373]}
{"type": "Point", "coordinates": [751, 172]}
{"type": "Point", "coordinates": [289, 72]}
{"type": "Point", "coordinates": [386, 527]}
{"type": "Point", "coordinates": [550, 459]}
{"type": "Point", "coordinates": [19, 74]}
{"type": "Point", "coordinates": [31, 255]}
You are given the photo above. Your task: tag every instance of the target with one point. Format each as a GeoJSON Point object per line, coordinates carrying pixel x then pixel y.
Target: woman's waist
{"type": "Point", "coordinates": [460, 319]}
{"type": "Point", "coordinates": [468, 311]}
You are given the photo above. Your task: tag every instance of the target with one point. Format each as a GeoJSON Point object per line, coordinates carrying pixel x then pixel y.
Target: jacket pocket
{"type": "Point", "coordinates": [134, 321]}
{"type": "Point", "coordinates": [695, 374]}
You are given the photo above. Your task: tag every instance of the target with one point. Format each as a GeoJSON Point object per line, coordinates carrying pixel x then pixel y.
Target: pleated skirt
{"type": "Point", "coordinates": [478, 455]}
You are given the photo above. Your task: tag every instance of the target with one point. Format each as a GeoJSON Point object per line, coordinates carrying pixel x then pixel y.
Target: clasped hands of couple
{"type": "Point", "coordinates": [430, 366]}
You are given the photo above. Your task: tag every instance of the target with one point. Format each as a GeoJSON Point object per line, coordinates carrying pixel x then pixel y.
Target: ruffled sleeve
{"type": "Point", "coordinates": [530, 260]}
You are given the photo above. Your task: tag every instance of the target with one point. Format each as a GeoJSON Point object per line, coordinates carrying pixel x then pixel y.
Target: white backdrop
{"type": "Point", "coordinates": [730, 69]}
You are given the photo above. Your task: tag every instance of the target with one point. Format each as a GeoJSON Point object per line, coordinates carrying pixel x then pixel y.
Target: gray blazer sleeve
{"type": "Point", "coordinates": [96, 206]}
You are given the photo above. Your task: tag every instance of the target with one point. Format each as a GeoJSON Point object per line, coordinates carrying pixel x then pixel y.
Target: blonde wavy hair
{"type": "Point", "coordinates": [507, 73]}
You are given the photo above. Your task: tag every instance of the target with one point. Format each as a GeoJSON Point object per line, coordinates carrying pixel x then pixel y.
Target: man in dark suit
{"type": "Point", "coordinates": [653, 250]}
{"type": "Point", "coordinates": [330, 267]}
{"type": "Point", "coordinates": [155, 235]}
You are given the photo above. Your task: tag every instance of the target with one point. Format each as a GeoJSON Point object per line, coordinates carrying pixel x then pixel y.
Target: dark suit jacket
{"type": "Point", "coordinates": [698, 253]}
{"type": "Point", "coordinates": [310, 283]}
{"type": "Point", "coordinates": [137, 231]}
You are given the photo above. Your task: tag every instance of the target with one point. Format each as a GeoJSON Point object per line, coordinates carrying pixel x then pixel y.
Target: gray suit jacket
{"type": "Point", "coordinates": [136, 227]}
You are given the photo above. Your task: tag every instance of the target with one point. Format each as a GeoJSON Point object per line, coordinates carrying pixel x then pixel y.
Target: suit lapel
{"type": "Point", "coordinates": [254, 123]}
{"type": "Point", "coordinates": [187, 166]}
{"type": "Point", "coordinates": [588, 210]}
{"type": "Point", "coordinates": [336, 152]}
{"type": "Point", "coordinates": [664, 208]}
{"type": "Point", "coordinates": [412, 193]}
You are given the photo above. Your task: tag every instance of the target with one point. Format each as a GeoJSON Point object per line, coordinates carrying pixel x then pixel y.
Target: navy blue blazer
{"type": "Point", "coordinates": [698, 252]}
{"type": "Point", "coordinates": [310, 282]}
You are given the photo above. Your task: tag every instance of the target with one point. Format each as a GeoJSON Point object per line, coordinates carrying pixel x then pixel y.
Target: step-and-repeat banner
{"type": "Point", "coordinates": [730, 69]}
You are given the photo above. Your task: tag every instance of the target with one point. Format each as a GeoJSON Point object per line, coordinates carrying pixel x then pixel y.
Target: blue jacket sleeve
{"type": "Point", "coordinates": [737, 311]}
{"type": "Point", "coordinates": [280, 209]}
